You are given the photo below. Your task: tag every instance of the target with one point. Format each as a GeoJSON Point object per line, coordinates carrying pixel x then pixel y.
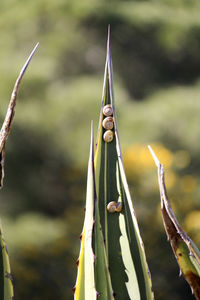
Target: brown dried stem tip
{"type": "Point", "coordinates": [5, 129]}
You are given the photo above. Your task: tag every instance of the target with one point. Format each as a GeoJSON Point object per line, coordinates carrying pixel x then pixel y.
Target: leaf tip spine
{"type": "Point", "coordinates": [77, 262]}
{"type": "Point", "coordinates": [108, 38]}
{"type": "Point", "coordinates": [74, 289]}
{"type": "Point", "coordinates": [108, 47]}
{"type": "Point", "coordinates": [98, 294]}
{"type": "Point", "coordinates": [27, 62]}
{"type": "Point", "coordinates": [156, 160]}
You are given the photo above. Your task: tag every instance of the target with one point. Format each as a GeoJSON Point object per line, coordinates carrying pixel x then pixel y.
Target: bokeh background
{"type": "Point", "coordinates": [156, 58]}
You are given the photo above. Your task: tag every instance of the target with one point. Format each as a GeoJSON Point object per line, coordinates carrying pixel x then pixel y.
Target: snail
{"type": "Point", "coordinates": [108, 110]}
{"type": "Point", "coordinates": [118, 207]}
{"type": "Point", "coordinates": [111, 206]}
{"type": "Point", "coordinates": [108, 136]}
{"type": "Point", "coordinates": [108, 123]}
{"type": "Point", "coordinates": [114, 206]}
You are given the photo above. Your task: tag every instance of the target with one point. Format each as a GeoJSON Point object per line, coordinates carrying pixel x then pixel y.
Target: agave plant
{"type": "Point", "coordinates": [112, 262]}
{"type": "Point", "coordinates": [6, 285]}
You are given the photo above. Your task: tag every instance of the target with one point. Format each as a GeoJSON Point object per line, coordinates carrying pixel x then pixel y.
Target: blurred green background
{"type": "Point", "coordinates": [156, 58]}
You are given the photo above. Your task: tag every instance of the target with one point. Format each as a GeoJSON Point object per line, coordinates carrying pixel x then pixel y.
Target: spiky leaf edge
{"type": "Point", "coordinates": [85, 283]}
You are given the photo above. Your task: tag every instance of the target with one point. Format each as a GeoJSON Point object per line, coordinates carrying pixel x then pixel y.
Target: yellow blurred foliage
{"type": "Point", "coordinates": [192, 221]}
{"type": "Point", "coordinates": [188, 183]}
{"type": "Point", "coordinates": [138, 159]}
{"type": "Point", "coordinates": [181, 159]}
{"type": "Point", "coordinates": [170, 179]}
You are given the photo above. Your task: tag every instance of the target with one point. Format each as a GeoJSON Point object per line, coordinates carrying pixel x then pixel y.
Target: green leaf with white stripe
{"type": "Point", "coordinates": [130, 277]}
{"type": "Point", "coordinates": [85, 283]}
{"type": "Point", "coordinates": [93, 274]}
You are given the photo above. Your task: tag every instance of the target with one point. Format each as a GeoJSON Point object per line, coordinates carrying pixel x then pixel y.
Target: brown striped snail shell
{"type": "Point", "coordinates": [111, 206]}
{"type": "Point", "coordinates": [108, 123]}
{"type": "Point", "coordinates": [118, 207]}
{"type": "Point", "coordinates": [108, 136]}
{"type": "Point", "coordinates": [114, 207]}
{"type": "Point", "coordinates": [108, 110]}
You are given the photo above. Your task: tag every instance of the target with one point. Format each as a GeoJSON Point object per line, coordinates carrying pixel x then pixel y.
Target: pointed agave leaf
{"type": "Point", "coordinates": [6, 127]}
{"type": "Point", "coordinates": [128, 268]}
{"type": "Point", "coordinates": [92, 278]}
{"type": "Point", "coordinates": [85, 283]}
{"type": "Point", "coordinates": [6, 284]}
{"type": "Point", "coordinates": [185, 251]}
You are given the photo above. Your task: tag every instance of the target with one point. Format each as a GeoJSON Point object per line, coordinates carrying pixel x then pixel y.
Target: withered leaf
{"type": "Point", "coordinates": [6, 127]}
{"type": "Point", "coordinates": [185, 251]}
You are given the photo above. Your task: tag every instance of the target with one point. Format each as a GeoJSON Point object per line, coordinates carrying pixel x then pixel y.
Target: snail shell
{"type": "Point", "coordinates": [108, 136]}
{"type": "Point", "coordinates": [118, 207]}
{"type": "Point", "coordinates": [108, 110]}
{"type": "Point", "coordinates": [114, 207]}
{"type": "Point", "coordinates": [108, 123]}
{"type": "Point", "coordinates": [111, 206]}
